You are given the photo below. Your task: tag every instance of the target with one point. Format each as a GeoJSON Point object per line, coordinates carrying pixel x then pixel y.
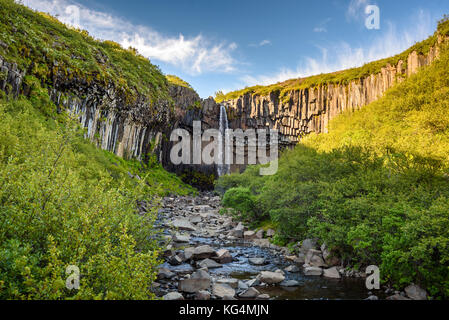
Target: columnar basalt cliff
{"type": "Point", "coordinates": [130, 130]}
{"type": "Point", "coordinates": [308, 110]}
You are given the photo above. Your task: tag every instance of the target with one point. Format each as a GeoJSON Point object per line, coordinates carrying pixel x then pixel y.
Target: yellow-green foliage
{"type": "Point", "coordinates": [412, 118]}
{"type": "Point", "coordinates": [41, 41]}
{"type": "Point", "coordinates": [375, 189]}
{"type": "Point", "coordinates": [63, 202]}
{"type": "Point", "coordinates": [282, 89]}
{"type": "Point", "coordinates": [178, 81]}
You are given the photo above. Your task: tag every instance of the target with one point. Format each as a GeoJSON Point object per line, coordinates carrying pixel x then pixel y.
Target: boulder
{"type": "Point", "coordinates": [209, 264]}
{"type": "Point", "coordinates": [414, 292]}
{"type": "Point", "coordinates": [202, 295]}
{"type": "Point", "coordinates": [260, 234]}
{"type": "Point", "coordinates": [179, 238]}
{"type": "Point", "coordinates": [200, 280]}
{"type": "Point", "coordinates": [332, 273]}
{"type": "Point", "coordinates": [292, 269]}
{"type": "Point", "coordinates": [263, 297]}
{"type": "Point", "coordinates": [164, 273]}
{"type": "Point", "coordinates": [183, 224]}
{"type": "Point", "coordinates": [257, 261]}
{"type": "Point", "coordinates": [253, 282]}
{"type": "Point", "coordinates": [203, 252]}
{"type": "Point", "coordinates": [243, 286]}
{"type": "Point", "coordinates": [251, 293]}
{"type": "Point", "coordinates": [314, 258]}
{"type": "Point", "coordinates": [271, 277]}
{"type": "Point", "coordinates": [249, 235]}
{"type": "Point", "coordinates": [188, 253]}
{"type": "Point", "coordinates": [299, 259]}
{"type": "Point", "coordinates": [307, 245]}
{"type": "Point", "coordinates": [223, 256]}
{"type": "Point", "coordinates": [313, 271]}
{"type": "Point", "coordinates": [173, 296]}
{"type": "Point", "coordinates": [233, 283]}
{"type": "Point", "coordinates": [175, 260]}
{"type": "Point", "coordinates": [222, 291]}
{"type": "Point", "coordinates": [195, 219]}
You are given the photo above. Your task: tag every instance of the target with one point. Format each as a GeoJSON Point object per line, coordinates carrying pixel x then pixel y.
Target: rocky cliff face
{"type": "Point", "coordinates": [310, 110]}
{"type": "Point", "coordinates": [128, 129]}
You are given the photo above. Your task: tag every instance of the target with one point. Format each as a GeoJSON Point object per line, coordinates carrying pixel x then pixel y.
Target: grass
{"type": "Point", "coordinates": [43, 46]}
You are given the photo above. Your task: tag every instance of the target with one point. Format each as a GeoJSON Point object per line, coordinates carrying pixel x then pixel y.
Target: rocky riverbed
{"type": "Point", "coordinates": [210, 256]}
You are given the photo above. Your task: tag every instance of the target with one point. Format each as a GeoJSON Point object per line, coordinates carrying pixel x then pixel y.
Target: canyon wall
{"type": "Point", "coordinates": [130, 130]}
{"type": "Point", "coordinates": [310, 110]}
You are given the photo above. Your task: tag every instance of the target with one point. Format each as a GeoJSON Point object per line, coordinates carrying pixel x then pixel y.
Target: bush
{"type": "Point", "coordinates": [243, 201]}
{"type": "Point", "coordinates": [63, 202]}
{"type": "Point", "coordinates": [375, 189]}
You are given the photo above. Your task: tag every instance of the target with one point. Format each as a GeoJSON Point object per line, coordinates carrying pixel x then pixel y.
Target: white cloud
{"type": "Point", "coordinates": [322, 26]}
{"type": "Point", "coordinates": [261, 43]}
{"type": "Point", "coordinates": [356, 8]}
{"type": "Point", "coordinates": [194, 55]}
{"type": "Point", "coordinates": [342, 56]}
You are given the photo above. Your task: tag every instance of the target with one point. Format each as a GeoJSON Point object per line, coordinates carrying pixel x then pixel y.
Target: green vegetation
{"type": "Point", "coordinates": [64, 202]}
{"type": "Point", "coordinates": [282, 89]}
{"type": "Point", "coordinates": [44, 47]}
{"type": "Point", "coordinates": [178, 81]}
{"type": "Point", "coordinates": [375, 189]}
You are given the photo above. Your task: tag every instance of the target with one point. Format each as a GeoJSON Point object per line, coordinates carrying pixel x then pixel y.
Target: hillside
{"type": "Point", "coordinates": [63, 200]}
{"type": "Point", "coordinates": [375, 189]}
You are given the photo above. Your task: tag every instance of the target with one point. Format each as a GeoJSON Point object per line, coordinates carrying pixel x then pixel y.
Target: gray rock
{"type": "Point", "coordinates": [222, 290]}
{"type": "Point", "coordinates": [249, 235]}
{"type": "Point", "coordinates": [257, 261]}
{"type": "Point", "coordinates": [243, 286]}
{"type": "Point", "coordinates": [314, 258]}
{"type": "Point", "coordinates": [223, 256]}
{"type": "Point", "coordinates": [332, 273]}
{"type": "Point", "coordinates": [292, 269]}
{"type": "Point", "coordinates": [260, 234]}
{"type": "Point", "coordinates": [253, 282]}
{"type": "Point", "coordinates": [251, 293]}
{"type": "Point", "coordinates": [164, 273]}
{"type": "Point", "coordinates": [188, 253]}
{"type": "Point", "coordinates": [263, 297]}
{"type": "Point", "coordinates": [203, 252]}
{"type": "Point", "coordinates": [414, 292]}
{"type": "Point", "coordinates": [175, 260]}
{"type": "Point", "coordinates": [181, 238]}
{"type": "Point", "coordinates": [372, 298]}
{"type": "Point", "coordinates": [209, 264]}
{"type": "Point", "coordinates": [299, 259]}
{"type": "Point", "coordinates": [202, 295]}
{"type": "Point", "coordinates": [183, 224]}
{"type": "Point", "coordinates": [233, 283]}
{"type": "Point", "coordinates": [198, 281]}
{"type": "Point", "coordinates": [313, 271]}
{"type": "Point", "coordinates": [307, 245]}
{"type": "Point", "coordinates": [271, 277]}
{"type": "Point", "coordinates": [173, 296]}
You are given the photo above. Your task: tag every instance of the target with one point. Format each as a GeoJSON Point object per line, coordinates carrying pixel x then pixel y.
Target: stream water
{"type": "Point", "coordinates": [211, 231]}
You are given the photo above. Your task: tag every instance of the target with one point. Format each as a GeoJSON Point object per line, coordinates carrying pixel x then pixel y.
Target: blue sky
{"type": "Point", "coordinates": [228, 45]}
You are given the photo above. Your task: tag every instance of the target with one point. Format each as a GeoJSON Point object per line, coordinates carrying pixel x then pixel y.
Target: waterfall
{"type": "Point", "coordinates": [223, 169]}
